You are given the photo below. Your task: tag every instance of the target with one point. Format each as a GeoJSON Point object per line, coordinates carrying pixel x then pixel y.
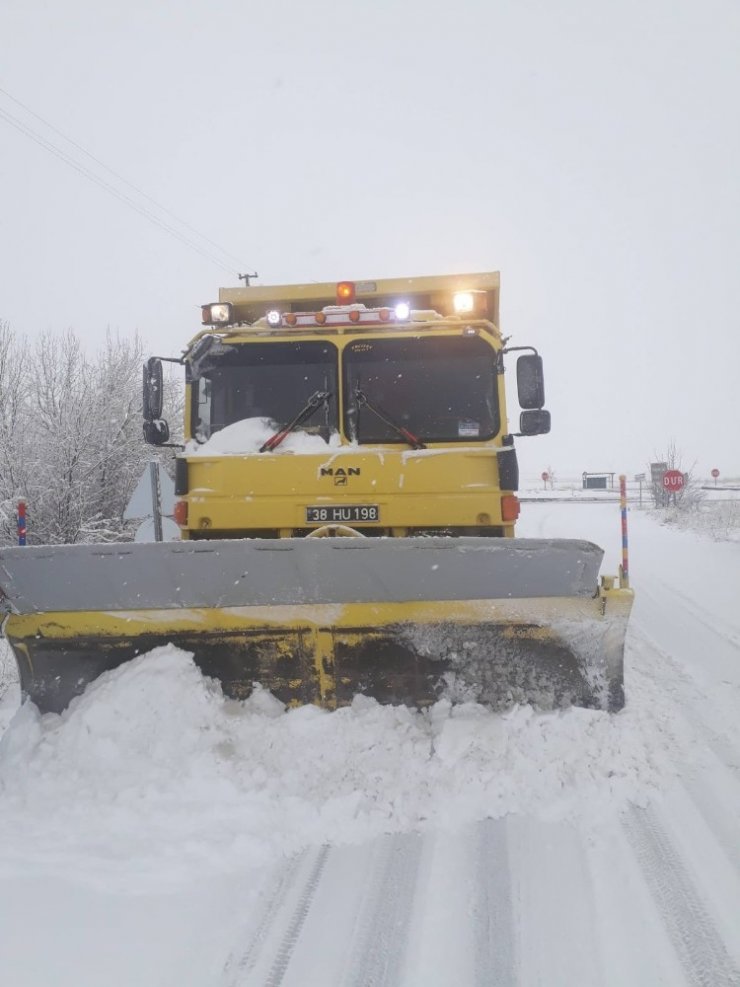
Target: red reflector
{"type": "Point", "coordinates": [385, 314]}
{"type": "Point", "coordinates": [181, 513]}
{"type": "Point", "coordinates": [354, 315]}
{"type": "Point", "coordinates": [290, 318]}
{"type": "Point", "coordinates": [320, 318]}
{"type": "Point", "coordinates": [345, 292]}
{"type": "Point", "coordinates": [509, 508]}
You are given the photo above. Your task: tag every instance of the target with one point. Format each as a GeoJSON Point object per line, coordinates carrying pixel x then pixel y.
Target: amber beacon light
{"type": "Point", "coordinates": [345, 292]}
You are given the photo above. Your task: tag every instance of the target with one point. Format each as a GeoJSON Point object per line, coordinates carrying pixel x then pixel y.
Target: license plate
{"type": "Point", "coordinates": [336, 514]}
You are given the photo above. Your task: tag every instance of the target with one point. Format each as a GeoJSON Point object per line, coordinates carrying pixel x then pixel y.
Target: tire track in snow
{"type": "Point", "coordinates": [557, 937]}
{"type": "Point", "coordinates": [377, 960]}
{"type": "Point", "coordinates": [290, 938]}
{"type": "Point", "coordinates": [494, 919]}
{"type": "Point", "coordinates": [713, 622]}
{"type": "Point", "coordinates": [697, 942]}
{"type": "Point", "coordinates": [718, 801]}
{"type": "Point", "coordinates": [720, 817]}
{"type": "Point", "coordinates": [683, 632]}
{"type": "Point", "coordinates": [240, 966]}
{"type": "Point", "coordinates": [681, 690]}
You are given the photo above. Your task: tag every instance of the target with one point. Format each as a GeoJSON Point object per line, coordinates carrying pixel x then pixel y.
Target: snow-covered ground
{"type": "Point", "coordinates": [158, 835]}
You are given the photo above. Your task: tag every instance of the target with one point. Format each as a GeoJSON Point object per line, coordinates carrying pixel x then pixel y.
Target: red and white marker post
{"type": "Point", "coordinates": [22, 528]}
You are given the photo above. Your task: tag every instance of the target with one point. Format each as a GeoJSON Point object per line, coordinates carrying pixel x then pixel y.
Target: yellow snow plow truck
{"type": "Point", "coordinates": [347, 503]}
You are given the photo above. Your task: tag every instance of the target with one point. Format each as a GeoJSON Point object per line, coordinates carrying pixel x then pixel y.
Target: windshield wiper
{"type": "Point", "coordinates": [362, 402]}
{"type": "Point", "coordinates": [317, 398]}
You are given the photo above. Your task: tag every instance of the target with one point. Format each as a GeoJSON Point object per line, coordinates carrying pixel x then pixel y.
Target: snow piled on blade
{"type": "Point", "coordinates": [250, 434]}
{"type": "Point", "coordinates": [152, 776]}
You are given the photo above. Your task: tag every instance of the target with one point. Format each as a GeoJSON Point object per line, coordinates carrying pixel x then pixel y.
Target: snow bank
{"type": "Point", "coordinates": [9, 685]}
{"type": "Point", "coordinates": [249, 435]}
{"type": "Point", "coordinates": [152, 776]}
{"type": "Point", "coordinates": [717, 519]}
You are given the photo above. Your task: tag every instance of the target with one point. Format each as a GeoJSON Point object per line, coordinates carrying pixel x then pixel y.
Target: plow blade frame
{"type": "Point", "coordinates": [317, 620]}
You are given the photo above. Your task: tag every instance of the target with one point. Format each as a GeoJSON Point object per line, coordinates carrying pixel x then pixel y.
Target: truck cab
{"type": "Point", "coordinates": [377, 406]}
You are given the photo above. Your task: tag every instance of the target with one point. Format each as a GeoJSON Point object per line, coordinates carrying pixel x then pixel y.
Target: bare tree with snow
{"type": "Point", "coordinates": [71, 436]}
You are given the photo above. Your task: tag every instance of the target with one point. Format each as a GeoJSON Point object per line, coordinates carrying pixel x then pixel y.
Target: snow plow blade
{"type": "Point", "coordinates": [316, 620]}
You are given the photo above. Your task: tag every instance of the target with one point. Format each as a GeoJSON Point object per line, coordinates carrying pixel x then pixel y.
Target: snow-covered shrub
{"type": "Point", "coordinates": [71, 437]}
{"type": "Point", "coordinates": [690, 497]}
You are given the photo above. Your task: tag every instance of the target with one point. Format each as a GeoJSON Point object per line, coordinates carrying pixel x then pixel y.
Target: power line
{"type": "Point", "coordinates": [120, 178]}
{"type": "Point", "coordinates": [122, 197]}
{"type": "Point", "coordinates": [116, 193]}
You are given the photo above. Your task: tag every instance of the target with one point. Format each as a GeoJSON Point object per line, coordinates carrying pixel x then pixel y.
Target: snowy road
{"type": "Point", "coordinates": [511, 901]}
{"type": "Point", "coordinates": [649, 897]}
{"type": "Point", "coordinates": [373, 848]}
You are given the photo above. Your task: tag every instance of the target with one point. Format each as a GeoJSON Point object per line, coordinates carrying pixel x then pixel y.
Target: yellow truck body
{"type": "Point", "coordinates": [347, 498]}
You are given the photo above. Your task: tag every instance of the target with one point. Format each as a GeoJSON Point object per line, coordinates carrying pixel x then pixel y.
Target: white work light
{"type": "Point", "coordinates": [463, 302]}
{"type": "Point", "coordinates": [217, 314]}
{"type": "Point", "coordinates": [274, 318]}
{"type": "Point", "coordinates": [403, 311]}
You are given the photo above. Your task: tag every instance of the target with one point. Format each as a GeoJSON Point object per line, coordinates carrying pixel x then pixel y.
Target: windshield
{"type": "Point", "coordinates": [441, 389]}
{"type": "Point", "coordinates": [266, 380]}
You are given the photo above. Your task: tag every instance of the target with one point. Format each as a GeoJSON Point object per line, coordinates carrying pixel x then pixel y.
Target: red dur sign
{"type": "Point", "coordinates": [673, 481]}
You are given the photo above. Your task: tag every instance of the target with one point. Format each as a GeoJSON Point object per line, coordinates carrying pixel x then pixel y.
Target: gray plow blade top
{"type": "Point", "coordinates": [260, 572]}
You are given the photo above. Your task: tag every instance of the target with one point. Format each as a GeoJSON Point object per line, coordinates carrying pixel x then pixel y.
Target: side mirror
{"type": "Point", "coordinates": [534, 422]}
{"type": "Point", "coordinates": [157, 432]}
{"type": "Point", "coordinates": [153, 389]}
{"type": "Point", "coordinates": [530, 382]}
{"type": "Point", "coordinates": [156, 429]}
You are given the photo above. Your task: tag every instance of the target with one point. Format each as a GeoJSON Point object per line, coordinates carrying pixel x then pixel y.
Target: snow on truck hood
{"type": "Point", "coordinates": [249, 435]}
{"type": "Point", "coordinates": [183, 781]}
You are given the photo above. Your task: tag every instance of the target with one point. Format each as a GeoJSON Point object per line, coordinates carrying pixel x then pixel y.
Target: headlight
{"type": "Point", "coordinates": [403, 311]}
{"type": "Point", "coordinates": [473, 303]}
{"type": "Point", "coordinates": [217, 314]}
{"type": "Point", "coordinates": [463, 302]}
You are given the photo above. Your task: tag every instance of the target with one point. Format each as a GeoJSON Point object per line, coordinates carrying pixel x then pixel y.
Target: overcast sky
{"type": "Point", "coordinates": [588, 150]}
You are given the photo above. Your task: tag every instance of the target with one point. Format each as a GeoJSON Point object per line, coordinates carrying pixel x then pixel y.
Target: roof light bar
{"type": "Point", "coordinates": [338, 315]}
